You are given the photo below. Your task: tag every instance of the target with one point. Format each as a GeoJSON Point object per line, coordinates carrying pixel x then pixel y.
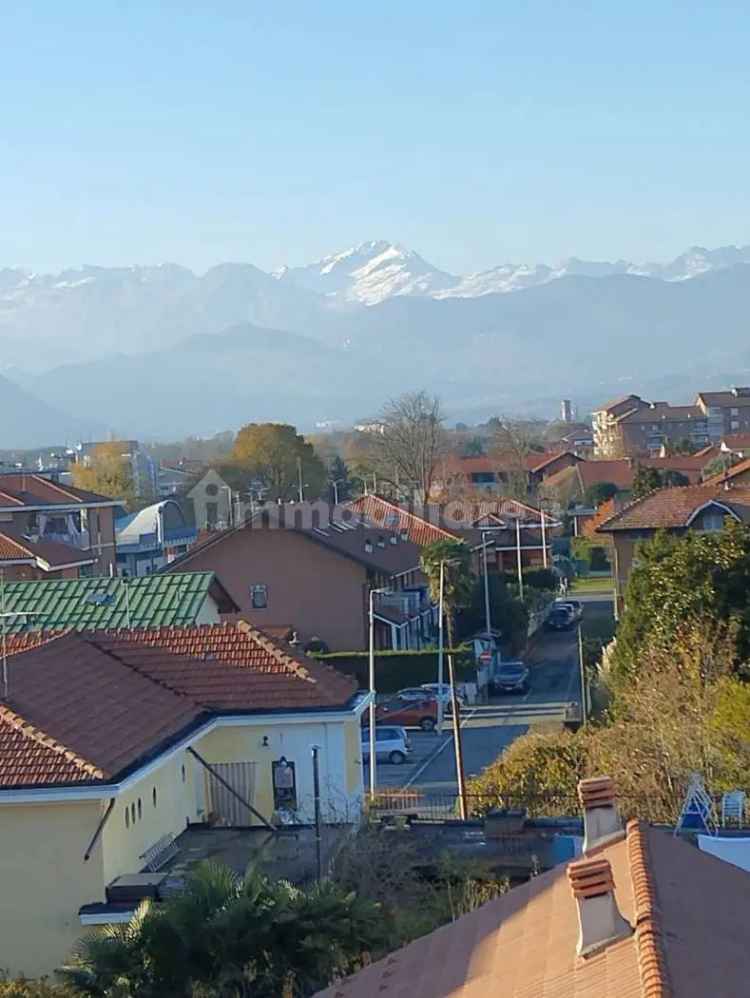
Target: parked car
{"type": "Point", "coordinates": [391, 744]}
{"type": "Point", "coordinates": [574, 605]}
{"type": "Point", "coordinates": [444, 693]}
{"type": "Point", "coordinates": [411, 713]}
{"type": "Point", "coordinates": [511, 677]}
{"type": "Point", "coordinates": [415, 693]}
{"type": "Point", "coordinates": [560, 618]}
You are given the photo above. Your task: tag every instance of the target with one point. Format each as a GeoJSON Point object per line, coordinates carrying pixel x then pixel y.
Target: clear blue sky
{"type": "Point", "coordinates": [476, 133]}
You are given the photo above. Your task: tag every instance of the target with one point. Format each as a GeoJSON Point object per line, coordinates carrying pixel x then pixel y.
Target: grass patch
{"type": "Point", "coordinates": [591, 584]}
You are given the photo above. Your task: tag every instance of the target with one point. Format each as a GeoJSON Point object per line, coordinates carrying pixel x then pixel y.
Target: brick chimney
{"type": "Point", "coordinates": [601, 822]}
{"type": "Point", "coordinates": [599, 920]}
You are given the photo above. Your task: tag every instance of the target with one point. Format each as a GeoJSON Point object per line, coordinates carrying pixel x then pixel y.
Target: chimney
{"type": "Point", "coordinates": [601, 822]}
{"type": "Point", "coordinates": [599, 918]}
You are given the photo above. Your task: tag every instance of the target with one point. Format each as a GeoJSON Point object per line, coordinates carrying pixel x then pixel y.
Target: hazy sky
{"type": "Point", "coordinates": [476, 133]}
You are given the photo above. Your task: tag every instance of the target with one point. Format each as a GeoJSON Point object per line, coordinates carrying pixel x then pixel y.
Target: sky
{"type": "Point", "coordinates": [474, 133]}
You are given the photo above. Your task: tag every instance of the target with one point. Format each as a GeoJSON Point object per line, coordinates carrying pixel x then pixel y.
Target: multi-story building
{"type": "Point", "coordinates": [725, 412]}
{"type": "Point", "coordinates": [632, 427]}
{"type": "Point", "coordinates": [38, 510]}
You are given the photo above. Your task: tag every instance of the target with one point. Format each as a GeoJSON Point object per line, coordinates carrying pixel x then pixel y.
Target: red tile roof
{"type": "Point", "coordinates": [87, 708]}
{"type": "Point", "coordinates": [741, 468]}
{"type": "Point", "coordinates": [674, 508]}
{"type": "Point", "coordinates": [27, 489]}
{"type": "Point", "coordinates": [390, 515]}
{"type": "Point", "coordinates": [48, 555]}
{"type": "Point", "coordinates": [737, 441]}
{"type": "Point", "coordinates": [688, 910]}
{"type": "Point", "coordinates": [619, 472]}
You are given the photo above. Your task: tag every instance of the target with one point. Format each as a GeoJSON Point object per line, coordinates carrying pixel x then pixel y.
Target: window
{"type": "Point", "coordinates": [127, 817]}
{"type": "Point", "coordinates": [713, 520]}
{"type": "Point", "coordinates": [140, 809]}
{"type": "Point", "coordinates": [132, 813]}
{"type": "Point", "coordinates": [212, 514]}
{"type": "Point", "coordinates": [259, 597]}
{"type": "Point", "coordinates": [734, 412]}
{"type": "Point", "coordinates": [212, 490]}
{"type": "Point", "coordinates": [153, 796]}
{"type": "Point", "coordinates": [184, 773]}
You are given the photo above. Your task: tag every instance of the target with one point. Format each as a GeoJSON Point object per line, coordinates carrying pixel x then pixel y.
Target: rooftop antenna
{"type": "Point", "coordinates": [3, 631]}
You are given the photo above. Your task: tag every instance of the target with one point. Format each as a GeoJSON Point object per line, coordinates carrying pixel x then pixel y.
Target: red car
{"type": "Point", "coordinates": [409, 713]}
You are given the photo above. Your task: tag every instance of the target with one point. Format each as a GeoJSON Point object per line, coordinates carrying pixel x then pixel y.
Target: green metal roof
{"type": "Point", "coordinates": [111, 603]}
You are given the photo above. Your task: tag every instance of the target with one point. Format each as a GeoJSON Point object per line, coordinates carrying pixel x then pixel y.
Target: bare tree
{"type": "Point", "coordinates": [513, 441]}
{"type": "Point", "coordinates": [410, 442]}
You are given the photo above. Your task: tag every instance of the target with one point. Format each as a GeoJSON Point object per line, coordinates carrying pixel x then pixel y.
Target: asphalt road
{"type": "Point", "coordinates": [490, 728]}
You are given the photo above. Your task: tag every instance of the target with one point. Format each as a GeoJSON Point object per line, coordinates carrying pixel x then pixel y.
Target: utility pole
{"type": "Point", "coordinates": [487, 618]}
{"type": "Point", "coordinates": [316, 800]}
{"type": "Point", "coordinates": [544, 539]}
{"type": "Point", "coordinates": [440, 651]}
{"type": "Point", "coordinates": [462, 809]}
{"type": "Point", "coordinates": [373, 759]}
{"type": "Point", "coordinates": [518, 556]}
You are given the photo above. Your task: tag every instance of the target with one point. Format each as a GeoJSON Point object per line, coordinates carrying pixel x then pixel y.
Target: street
{"type": "Point", "coordinates": [487, 729]}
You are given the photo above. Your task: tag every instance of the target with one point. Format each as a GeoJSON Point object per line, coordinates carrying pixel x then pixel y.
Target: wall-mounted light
{"type": "Point", "coordinates": [264, 742]}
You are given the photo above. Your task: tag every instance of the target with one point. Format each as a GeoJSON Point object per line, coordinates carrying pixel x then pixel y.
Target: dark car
{"type": "Point", "coordinates": [409, 713]}
{"type": "Point", "coordinates": [560, 618]}
{"type": "Point", "coordinates": [511, 677]}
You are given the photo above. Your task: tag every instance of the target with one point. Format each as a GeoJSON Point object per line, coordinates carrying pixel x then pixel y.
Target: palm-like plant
{"type": "Point", "coordinates": [229, 936]}
{"type": "Point", "coordinates": [455, 557]}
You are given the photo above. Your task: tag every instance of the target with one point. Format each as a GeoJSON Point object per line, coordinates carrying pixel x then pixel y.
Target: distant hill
{"type": "Point", "coordinates": [27, 421]}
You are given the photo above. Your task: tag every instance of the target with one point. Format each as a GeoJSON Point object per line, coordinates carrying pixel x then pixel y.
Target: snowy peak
{"type": "Point", "coordinates": [370, 273]}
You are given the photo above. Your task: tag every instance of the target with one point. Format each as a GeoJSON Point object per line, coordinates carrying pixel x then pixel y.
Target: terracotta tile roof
{"type": "Point", "coordinates": [101, 603]}
{"type": "Point", "coordinates": [383, 512]}
{"type": "Point", "coordinates": [688, 910]}
{"type": "Point", "coordinates": [48, 555]}
{"type": "Point", "coordinates": [73, 697]}
{"type": "Point", "coordinates": [673, 508]}
{"type": "Point", "coordinates": [27, 489]}
{"type": "Point", "coordinates": [88, 708]}
{"type": "Point", "coordinates": [741, 468]}
{"type": "Point", "coordinates": [619, 472]}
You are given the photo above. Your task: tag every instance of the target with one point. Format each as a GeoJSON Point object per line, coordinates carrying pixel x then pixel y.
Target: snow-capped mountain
{"type": "Point", "coordinates": [370, 273]}
{"type": "Point", "coordinates": [374, 271]}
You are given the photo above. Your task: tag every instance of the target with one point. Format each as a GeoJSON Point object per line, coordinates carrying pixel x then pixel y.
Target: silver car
{"type": "Point", "coordinates": [391, 744]}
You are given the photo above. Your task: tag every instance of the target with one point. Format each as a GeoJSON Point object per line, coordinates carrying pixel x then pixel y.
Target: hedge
{"type": "Point", "coordinates": [395, 670]}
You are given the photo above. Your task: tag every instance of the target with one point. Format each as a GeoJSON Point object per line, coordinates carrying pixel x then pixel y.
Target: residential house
{"type": "Point", "coordinates": [186, 599]}
{"type": "Point", "coordinates": [23, 558]}
{"type": "Point", "coordinates": [641, 914]}
{"type": "Point", "coordinates": [117, 749]}
{"type": "Point", "coordinates": [487, 523]}
{"type": "Point", "coordinates": [42, 510]}
{"type": "Point", "coordinates": [608, 441]}
{"type": "Point", "coordinates": [677, 510]}
{"type": "Point", "coordinates": [152, 538]}
{"type": "Point", "coordinates": [214, 503]}
{"type": "Point", "coordinates": [282, 570]}
{"type": "Point", "coordinates": [142, 466]}
{"type": "Point", "coordinates": [487, 474]}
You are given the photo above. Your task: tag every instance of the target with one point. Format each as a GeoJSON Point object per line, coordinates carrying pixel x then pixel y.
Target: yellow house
{"type": "Point", "coordinates": [113, 744]}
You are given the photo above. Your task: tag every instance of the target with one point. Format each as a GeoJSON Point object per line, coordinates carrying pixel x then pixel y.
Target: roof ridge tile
{"type": "Point", "coordinates": [652, 962]}
{"type": "Point", "coordinates": [28, 730]}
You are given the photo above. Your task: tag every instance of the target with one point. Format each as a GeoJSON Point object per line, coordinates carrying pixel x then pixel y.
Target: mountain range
{"type": "Point", "coordinates": [160, 351]}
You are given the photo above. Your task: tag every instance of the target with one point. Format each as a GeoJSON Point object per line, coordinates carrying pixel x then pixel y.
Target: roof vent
{"type": "Point", "coordinates": [601, 822]}
{"type": "Point", "coordinates": [599, 918]}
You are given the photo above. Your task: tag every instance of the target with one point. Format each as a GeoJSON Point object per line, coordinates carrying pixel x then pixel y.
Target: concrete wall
{"type": "Point", "coordinates": [44, 881]}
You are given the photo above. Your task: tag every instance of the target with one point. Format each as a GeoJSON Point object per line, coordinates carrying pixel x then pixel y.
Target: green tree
{"type": "Point", "coordinates": [458, 582]}
{"type": "Point", "coordinates": [229, 936]}
{"type": "Point", "coordinates": [678, 579]}
{"type": "Point", "coordinates": [338, 473]}
{"type": "Point", "coordinates": [274, 453]}
{"type": "Point", "coordinates": [645, 480]}
{"type": "Point", "coordinates": [107, 471]}
{"type": "Point", "coordinates": [599, 492]}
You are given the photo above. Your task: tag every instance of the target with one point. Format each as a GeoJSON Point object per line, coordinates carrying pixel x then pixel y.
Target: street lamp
{"type": "Point", "coordinates": [454, 699]}
{"type": "Point", "coordinates": [373, 593]}
{"type": "Point", "coordinates": [487, 618]}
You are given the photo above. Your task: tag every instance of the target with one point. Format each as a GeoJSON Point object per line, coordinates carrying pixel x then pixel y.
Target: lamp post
{"type": "Point", "coordinates": [519, 561]}
{"type": "Point", "coordinates": [373, 763]}
{"type": "Point", "coordinates": [487, 618]}
{"type": "Point", "coordinates": [544, 537]}
{"type": "Point", "coordinates": [454, 700]}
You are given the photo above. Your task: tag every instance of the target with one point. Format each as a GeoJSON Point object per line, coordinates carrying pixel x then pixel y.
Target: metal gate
{"type": "Point", "coordinates": [224, 805]}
